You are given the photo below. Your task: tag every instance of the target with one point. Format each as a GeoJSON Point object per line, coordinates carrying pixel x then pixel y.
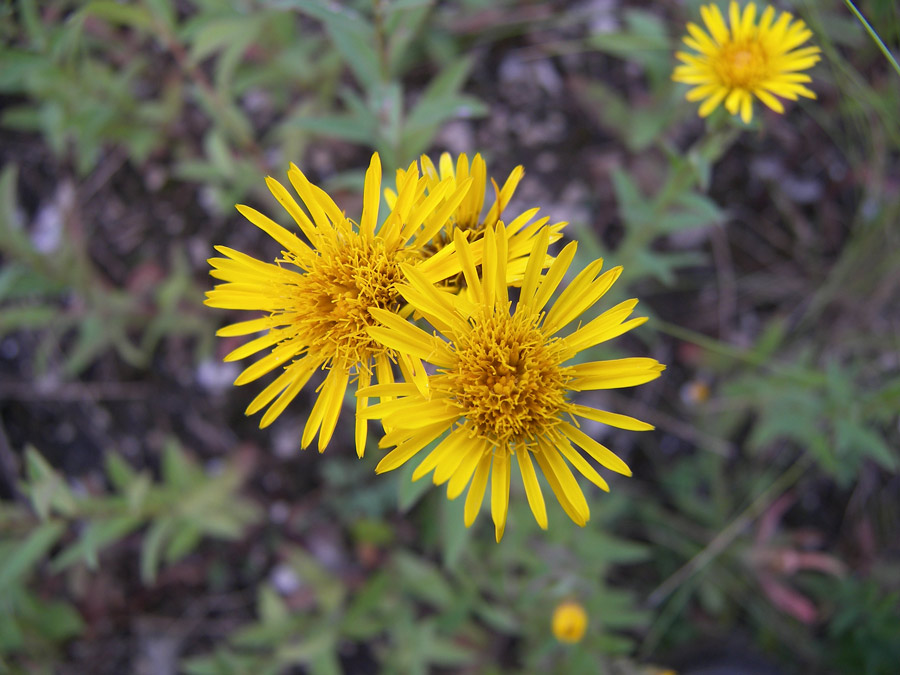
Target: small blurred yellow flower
{"type": "Point", "coordinates": [569, 622]}
{"type": "Point", "coordinates": [695, 392]}
{"type": "Point", "coordinates": [316, 299]}
{"type": "Point", "coordinates": [736, 63]}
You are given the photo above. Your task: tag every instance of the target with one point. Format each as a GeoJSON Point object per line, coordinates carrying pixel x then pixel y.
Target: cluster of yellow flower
{"type": "Point", "coordinates": [494, 380]}
{"type": "Point", "coordinates": [492, 383]}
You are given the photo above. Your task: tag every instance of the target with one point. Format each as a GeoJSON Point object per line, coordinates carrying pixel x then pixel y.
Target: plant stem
{"type": "Point", "coordinates": [730, 351]}
{"type": "Point", "coordinates": [874, 36]}
{"type": "Point", "coordinates": [778, 487]}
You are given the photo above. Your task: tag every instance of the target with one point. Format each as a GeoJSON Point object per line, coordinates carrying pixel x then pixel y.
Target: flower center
{"type": "Point", "coordinates": [743, 65]}
{"type": "Point", "coordinates": [330, 306]}
{"type": "Point", "coordinates": [508, 381]}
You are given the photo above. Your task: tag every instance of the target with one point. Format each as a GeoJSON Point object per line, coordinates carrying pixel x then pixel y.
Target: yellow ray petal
{"type": "Point", "coordinates": [581, 464]}
{"type": "Point", "coordinates": [245, 327]}
{"type": "Point", "coordinates": [280, 356]}
{"type": "Point", "coordinates": [533, 270]}
{"type": "Point", "coordinates": [453, 443]}
{"type": "Point", "coordinates": [297, 374]}
{"type": "Point", "coordinates": [254, 346]}
{"type": "Point", "coordinates": [500, 492]}
{"type": "Point", "coordinates": [467, 262]}
{"type": "Point", "coordinates": [458, 462]}
{"type": "Point", "coordinates": [532, 487]}
{"type": "Point", "coordinates": [286, 396]}
{"type": "Point", "coordinates": [612, 419]}
{"type": "Point", "coordinates": [335, 389]}
{"type": "Point", "coordinates": [599, 452]}
{"type": "Point", "coordinates": [489, 268]}
{"type": "Point", "coordinates": [371, 199]}
{"type": "Point", "coordinates": [553, 277]}
{"type": "Point", "coordinates": [320, 407]}
{"type": "Point", "coordinates": [410, 447]}
{"type": "Point", "coordinates": [287, 201]}
{"type": "Point", "coordinates": [615, 373]}
{"type": "Point", "coordinates": [362, 402]}
{"type": "Point", "coordinates": [500, 241]}
{"type": "Point", "coordinates": [476, 489]}
{"type": "Point", "coordinates": [581, 294]}
{"type": "Point", "coordinates": [289, 240]}
{"type": "Point", "coordinates": [564, 485]}
{"type": "Point", "coordinates": [506, 193]}
{"type": "Point", "coordinates": [712, 17]}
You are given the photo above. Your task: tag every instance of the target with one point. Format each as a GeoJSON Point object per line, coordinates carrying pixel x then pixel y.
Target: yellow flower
{"type": "Point", "coordinates": [466, 218]}
{"type": "Point", "coordinates": [569, 622]}
{"type": "Point", "coordinates": [317, 297]}
{"type": "Point", "coordinates": [748, 60]}
{"type": "Point", "coordinates": [502, 389]}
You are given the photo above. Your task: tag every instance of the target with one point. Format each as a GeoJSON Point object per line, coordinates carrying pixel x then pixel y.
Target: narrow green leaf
{"type": "Point", "coordinates": [96, 535]}
{"type": "Point", "coordinates": [349, 128]}
{"type": "Point", "coordinates": [133, 16]}
{"type": "Point", "coordinates": [17, 565]}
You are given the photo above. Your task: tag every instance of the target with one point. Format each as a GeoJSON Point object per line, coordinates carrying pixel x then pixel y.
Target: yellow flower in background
{"type": "Point", "coordinates": [317, 297]}
{"type": "Point", "coordinates": [747, 59]}
{"type": "Point", "coordinates": [466, 218]}
{"type": "Point", "coordinates": [502, 390]}
{"type": "Point", "coordinates": [569, 622]}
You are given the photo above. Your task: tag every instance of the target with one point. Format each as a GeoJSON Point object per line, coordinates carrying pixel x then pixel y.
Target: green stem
{"type": "Point", "coordinates": [777, 488]}
{"type": "Point", "coordinates": [730, 351]}
{"type": "Point", "coordinates": [874, 36]}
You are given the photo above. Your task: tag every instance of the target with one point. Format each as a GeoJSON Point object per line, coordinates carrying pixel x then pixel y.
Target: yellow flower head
{"type": "Point", "coordinates": [502, 387]}
{"type": "Point", "coordinates": [439, 232]}
{"type": "Point", "coordinates": [569, 622]}
{"type": "Point", "coordinates": [746, 60]}
{"type": "Point", "coordinates": [317, 297]}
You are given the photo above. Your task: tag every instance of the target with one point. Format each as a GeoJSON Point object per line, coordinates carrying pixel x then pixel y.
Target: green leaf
{"type": "Point", "coordinates": [447, 653]}
{"type": "Point", "coordinates": [351, 35]}
{"type": "Point", "coordinates": [46, 488]}
{"type": "Point", "coordinates": [120, 473]}
{"type": "Point", "coordinates": [270, 607]}
{"type": "Point", "coordinates": [58, 621]}
{"type": "Point", "coordinates": [34, 26]}
{"type": "Point", "coordinates": [12, 236]}
{"type": "Point", "coordinates": [423, 580]}
{"type": "Point", "coordinates": [164, 12]}
{"type": "Point", "coordinates": [96, 535]}
{"type": "Point", "coordinates": [94, 336]}
{"type": "Point", "coordinates": [441, 91]}
{"type": "Point", "coordinates": [329, 590]}
{"type": "Point", "coordinates": [177, 469]}
{"type": "Point", "coordinates": [185, 540]}
{"type": "Point", "coordinates": [635, 207]}
{"type": "Point", "coordinates": [151, 550]}
{"type": "Point", "coordinates": [409, 492]}
{"type": "Point", "coordinates": [455, 535]}
{"type": "Point", "coordinates": [307, 650]}
{"type": "Point", "coordinates": [133, 15]}
{"type": "Point", "coordinates": [26, 318]}
{"type": "Point", "coordinates": [865, 442]}
{"type": "Point", "coordinates": [218, 34]}
{"type": "Point", "coordinates": [348, 127]}
{"type": "Point", "coordinates": [16, 566]}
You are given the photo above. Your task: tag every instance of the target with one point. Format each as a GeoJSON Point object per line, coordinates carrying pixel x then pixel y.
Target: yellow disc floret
{"type": "Point", "coordinates": [330, 304]}
{"type": "Point", "coordinates": [508, 382]}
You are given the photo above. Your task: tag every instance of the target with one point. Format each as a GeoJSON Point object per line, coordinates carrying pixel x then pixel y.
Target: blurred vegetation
{"type": "Point", "coordinates": [764, 509]}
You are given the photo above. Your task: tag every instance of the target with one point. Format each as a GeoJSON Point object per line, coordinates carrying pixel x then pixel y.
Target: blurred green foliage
{"type": "Point", "coordinates": [59, 529]}
{"type": "Point", "coordinates": [220, 95]}
{"type": "Point", "coordinates": [60, 291]}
